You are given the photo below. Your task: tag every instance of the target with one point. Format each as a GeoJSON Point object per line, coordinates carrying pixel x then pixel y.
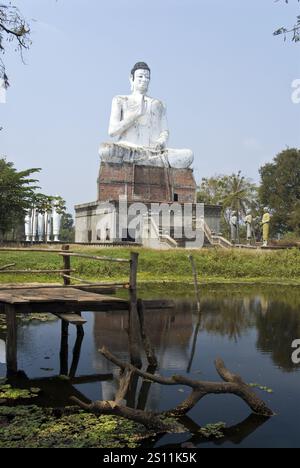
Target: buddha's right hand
{"type": "Point", "coordinates": [136, 105]}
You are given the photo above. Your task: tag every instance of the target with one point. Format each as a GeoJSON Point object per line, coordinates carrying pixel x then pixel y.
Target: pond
{"type": "Point", "coordinates": [251, 328]}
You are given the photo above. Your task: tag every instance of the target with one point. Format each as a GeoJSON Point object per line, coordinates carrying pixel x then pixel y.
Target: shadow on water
{"type": "Point", "coordinates": [251, 328]}
{"type": "Point", "coordinates": [235, 434]}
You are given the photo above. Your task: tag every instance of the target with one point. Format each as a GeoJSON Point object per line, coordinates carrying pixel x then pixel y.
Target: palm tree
{"type": "Point", "coordinates": [240, 194]}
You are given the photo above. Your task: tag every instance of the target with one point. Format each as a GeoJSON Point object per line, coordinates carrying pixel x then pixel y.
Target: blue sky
{"type": "Point", "coordinates": [225, 79]}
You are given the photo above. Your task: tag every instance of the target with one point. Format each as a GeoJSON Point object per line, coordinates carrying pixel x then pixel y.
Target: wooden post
{"type": "Point", "coordinates": [64, 358]}
{"type": "Point", "coordinates": [134, 342]}
{"type": "Point", "coordinates": [149, 350]}
{"type": "Point", "coordinates": [67, 265]}
{"type": "Point", "coordinates": [64, 348]}
{"type": "Point", "coordinates": [76, 352]}
{"type": "Point", "coordinates": [11, 339]}
{"type": "Point", "coordinates": [197, 328]}
{"type": "Point", "coordinates": [195, 275]}
{"type": "Point", "coordinates": [145, 389]}
{"type": "Point", "coordinates": [134, 259]}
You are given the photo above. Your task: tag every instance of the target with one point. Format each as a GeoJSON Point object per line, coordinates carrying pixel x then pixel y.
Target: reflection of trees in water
{"type": "Point", "coordinates": [229, 317]}
{"type": "Point", "coordinates": [228, 312]}
{"type": "Point", "coordinates": [275, 313]}
{"type": "Point", "coordinates": [277, 329]}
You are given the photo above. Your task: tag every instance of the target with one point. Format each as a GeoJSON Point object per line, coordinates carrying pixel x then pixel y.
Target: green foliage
{"type": "Point", "coordinates": [33, 427]}
{"type": "Point", "coordinates": [280, 190]}
{"type": "Point", "coordinates": [240, 193]}
{"type": "Point", "coordinates": [43, 203]}
{"type": "Point", "coordinates": [8, 393]}
{"type": "Point", "coordinates": [67, 230]}
{"type": "Point", "coordinates": [16, 193]}
{"type": "Point", "coordinates": [234, 192]}
{"type": "Point", "coordinates": [212, 190]}
{"type": "Point", "coordinates": [159, 266]}
{"type": "Point", "coordinates": [213, 431]}
{"type": "Point", "coordinates": [264, 388]}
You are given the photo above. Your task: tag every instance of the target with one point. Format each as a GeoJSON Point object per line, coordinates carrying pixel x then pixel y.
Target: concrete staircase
{"type": "Point", "coordinates": [163, 240]}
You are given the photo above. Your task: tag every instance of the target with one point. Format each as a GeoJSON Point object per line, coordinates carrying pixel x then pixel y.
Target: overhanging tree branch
{"type": "Point", "coordinates": [13, 27]}
{"type": "Point", "coordinates": [295, 30]}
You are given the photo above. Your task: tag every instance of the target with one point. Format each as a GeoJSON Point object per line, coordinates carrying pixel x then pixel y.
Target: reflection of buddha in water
{"type": "Point", "coordinates": [140, 125]}
{"type": "Point", "coordinates": [169, 331]}
{"type": "Point", "coordinates": [166, 328]}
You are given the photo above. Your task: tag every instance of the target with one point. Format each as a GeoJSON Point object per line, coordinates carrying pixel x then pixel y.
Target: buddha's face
{"type": "Point", "coordinates": [140, 83]}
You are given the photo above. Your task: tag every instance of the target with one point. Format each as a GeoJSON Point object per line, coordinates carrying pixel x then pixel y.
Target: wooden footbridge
{"type": "Point", "coordinates": [67, 301]}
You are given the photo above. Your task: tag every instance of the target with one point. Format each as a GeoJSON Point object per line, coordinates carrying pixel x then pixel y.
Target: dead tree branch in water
{"type": "Point", "coordinates": [233, 384]}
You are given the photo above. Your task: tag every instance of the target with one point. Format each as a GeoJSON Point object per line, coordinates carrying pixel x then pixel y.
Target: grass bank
{"type": "Point", "coordinates": [214, 266]}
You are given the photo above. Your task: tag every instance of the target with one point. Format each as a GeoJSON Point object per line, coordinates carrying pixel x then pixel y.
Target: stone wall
{"type": "Point", "coordinates": [94, 221]}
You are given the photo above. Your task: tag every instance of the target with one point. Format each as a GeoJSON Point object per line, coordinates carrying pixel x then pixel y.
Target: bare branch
{"type": "Point", "coordinates": [13, 28]}
{"type": "Point", "coordinates": [233, 385]}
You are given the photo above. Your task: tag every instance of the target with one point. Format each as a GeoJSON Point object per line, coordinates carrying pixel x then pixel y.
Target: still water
{"type": "Point", "coordinates": [250, 328]}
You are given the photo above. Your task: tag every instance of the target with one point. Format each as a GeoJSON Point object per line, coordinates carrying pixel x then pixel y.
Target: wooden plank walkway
{"type": "Point", "coordinates": [50, 298]}
{"type": "Point", "coordinates": [74, 319]}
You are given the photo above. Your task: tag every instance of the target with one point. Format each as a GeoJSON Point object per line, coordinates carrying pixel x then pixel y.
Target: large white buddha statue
{"type": "Point", "coordinates": [138, 122]}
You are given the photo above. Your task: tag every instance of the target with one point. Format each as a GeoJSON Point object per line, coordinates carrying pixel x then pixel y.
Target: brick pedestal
{"type": "Point", "coordinates": [145, 183]}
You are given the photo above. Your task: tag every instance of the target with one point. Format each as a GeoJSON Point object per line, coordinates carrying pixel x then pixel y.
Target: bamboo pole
{"type": "Point", "coordinates": [29, 249]}
{"type": "Point", "coordinates": [95, 257]}
{"type": "Point", "coordinates": [76, 352]}
{"type": "Point", "coordinates": [66, 264]}
{"type": "Point", "coordinates": [92, 283]}
{"type": "Point", "coordinates": [48, 272]}
{"type": "Point", "coordinates": [134, 344]}
{"type": "Point", "coordinates": [57, 286]}
{"type": "Point", "coordinates": [5, 267]}
{"type": "Point", "coordinates": [149, 350]}
{"type": "Point", "coordinates": [64, 347]}
{"type": "Point", "coordinates": [11, 339]}
{"type": "Point", "coordinates": [197, 328]}
{"type": "Point", "coordinates": [195, 275]}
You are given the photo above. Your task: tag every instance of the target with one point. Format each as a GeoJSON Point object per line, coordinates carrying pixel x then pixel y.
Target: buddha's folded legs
{"type": "Point", "coordinates": [119, 153]}
{"type": "Point", "coordinates": [180, 158]}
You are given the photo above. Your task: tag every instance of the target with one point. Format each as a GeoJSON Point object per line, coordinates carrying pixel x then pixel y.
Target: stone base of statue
{"type": "Point", "coordinates": [145, 183]}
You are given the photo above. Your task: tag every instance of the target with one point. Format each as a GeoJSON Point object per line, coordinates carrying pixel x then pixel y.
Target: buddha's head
{"type": "Point", "coordinates": [140, 78]}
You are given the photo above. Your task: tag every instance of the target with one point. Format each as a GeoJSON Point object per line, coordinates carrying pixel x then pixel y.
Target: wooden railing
{"type": "Point", "coordinates": [67, 270]}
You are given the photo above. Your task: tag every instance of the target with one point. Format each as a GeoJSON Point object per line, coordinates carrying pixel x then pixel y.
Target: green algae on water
{"type": "Point", "coordinates": [32, 427]}
{"type": "Point", "coordinates": [8, 393]}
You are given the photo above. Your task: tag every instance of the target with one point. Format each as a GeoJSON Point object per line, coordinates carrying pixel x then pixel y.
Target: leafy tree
{"type": "Point", "coordinates": [294, 218]}
{"type": "Point", "coordinates": [280, 190]}
{"type": "Point", "coordinates": [16, 194]}
{"type": "Point", "coordinates": [234, 192]}
{"type": "Point", "coordinates": [67, 230]}
{"type": "Point", "coordinates": [240, 194]}
{"type": "Point", "coordinates": [13, 29]}
{"type": "Point", "coordinates": [212, 190]}
{"type": "Point", "coordinates": [44, 204]}
{"type": "Point", "coordinates": [59, 204]}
